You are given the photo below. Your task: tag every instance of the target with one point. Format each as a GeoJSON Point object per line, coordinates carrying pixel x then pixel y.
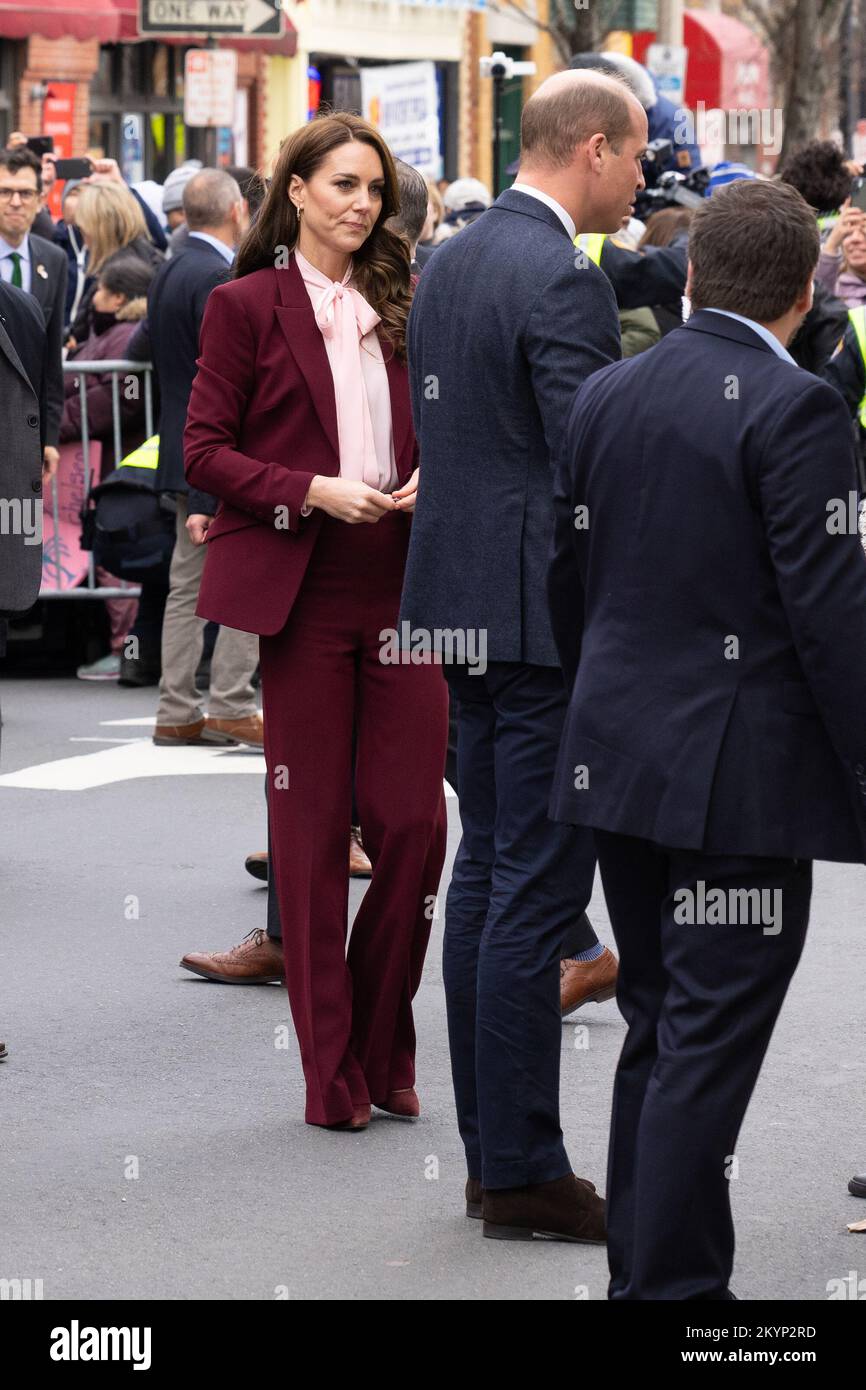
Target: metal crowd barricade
{"type": "Point", "coordinates": [52, 548]}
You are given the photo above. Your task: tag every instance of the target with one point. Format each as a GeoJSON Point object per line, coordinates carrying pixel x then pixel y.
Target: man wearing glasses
{"type": "Point", "coordinates": [32, 264]}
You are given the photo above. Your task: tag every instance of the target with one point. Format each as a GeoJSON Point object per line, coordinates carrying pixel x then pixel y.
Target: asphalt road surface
{"type": "Point", "coordinates": [153, 1143]}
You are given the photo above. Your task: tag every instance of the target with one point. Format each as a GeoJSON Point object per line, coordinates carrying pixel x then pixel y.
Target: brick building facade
{"type": "Point", "coordinates": [112, 78]}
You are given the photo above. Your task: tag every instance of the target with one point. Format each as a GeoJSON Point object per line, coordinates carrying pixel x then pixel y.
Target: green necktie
{"type": "Point", "coordinates": [15, 258]}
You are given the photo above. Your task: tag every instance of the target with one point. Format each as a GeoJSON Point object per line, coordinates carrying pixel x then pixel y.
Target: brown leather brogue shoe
{"type": "Point", "coordinates": [232, 731]}
{"type": "Point", "coordinates": [565, 1209]}
{"type": "Point", "coordinates": [586, 981]}
{"type": "Point", "coordinates": [360, 1119]}
{"type": "Point", "coordinates": [359, 863]}
{"type": "Point", "coordinates": [473, 1198]}
{"type": "Point", "coordinates": [258, 960]}
{"type": "Point", "coordinates": [168, 735]}
{"type": "Point", "coordinates": [257, 865]}
{"type": "Point", "coordinates": [404, 1103]}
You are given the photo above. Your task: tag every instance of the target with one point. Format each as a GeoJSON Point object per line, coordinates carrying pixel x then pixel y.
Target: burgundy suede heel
{"type": "Point", "coordinates": [404, 1103]}
{"type": "Point", "coordinates": [359, 1120]}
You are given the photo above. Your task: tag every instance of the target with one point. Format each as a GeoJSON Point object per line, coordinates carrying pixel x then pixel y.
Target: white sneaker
{"type": "Point", "coordinates": [107, 668]}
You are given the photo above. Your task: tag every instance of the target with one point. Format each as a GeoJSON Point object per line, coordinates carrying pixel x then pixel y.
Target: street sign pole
{"type": "Point", "coordinates": [211, 136]}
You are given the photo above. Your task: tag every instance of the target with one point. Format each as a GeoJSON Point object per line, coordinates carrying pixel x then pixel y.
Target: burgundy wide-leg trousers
{"type": "Point", "coordinates": [323, 685]}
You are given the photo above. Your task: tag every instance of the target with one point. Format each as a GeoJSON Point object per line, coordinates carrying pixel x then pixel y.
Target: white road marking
{"type": "Point", "coordinates": [98, 738]}
{"type": "Point", "coordinates": [124, 763]}
{"type": "Point", "coordinates": [127, 723]}
{"type": "Point", "coordinates": [132, 758]}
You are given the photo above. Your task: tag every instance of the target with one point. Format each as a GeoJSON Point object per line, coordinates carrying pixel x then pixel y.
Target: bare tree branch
{"type": "Point", "coordinates": [572, 30]}
{"type": "Point", "coordinates": [555, 33]}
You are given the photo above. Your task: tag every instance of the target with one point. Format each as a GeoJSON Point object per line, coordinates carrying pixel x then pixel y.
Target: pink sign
{"type": "Point", "coordinates": [64, 563]}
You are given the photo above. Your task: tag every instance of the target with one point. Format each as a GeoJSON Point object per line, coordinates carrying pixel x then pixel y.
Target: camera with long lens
{"type": "Point", "coordinates": [667, 187]}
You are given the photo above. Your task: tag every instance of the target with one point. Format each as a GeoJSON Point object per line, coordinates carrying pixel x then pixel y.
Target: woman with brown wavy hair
{"type": "Point", "coordinates": [300, 422]}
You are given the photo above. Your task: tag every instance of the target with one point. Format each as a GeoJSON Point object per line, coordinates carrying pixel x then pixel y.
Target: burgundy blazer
{"type": "Point", "coordinates": [262, 421]}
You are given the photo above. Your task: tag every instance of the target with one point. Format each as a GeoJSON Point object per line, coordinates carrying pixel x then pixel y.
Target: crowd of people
{"type": "Point", "coordinates": [384, 406]}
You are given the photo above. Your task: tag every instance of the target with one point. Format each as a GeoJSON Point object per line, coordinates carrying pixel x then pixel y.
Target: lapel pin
{"type": "Point", "coordinates": [40, 270]}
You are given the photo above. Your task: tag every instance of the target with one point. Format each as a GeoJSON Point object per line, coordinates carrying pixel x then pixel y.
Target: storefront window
{"type": "Point", "coordinates": [162, 74]}
{"type": "Point", "coordinates": [137, 110]}
{"type": "Point", "coordinates": [337, 84]}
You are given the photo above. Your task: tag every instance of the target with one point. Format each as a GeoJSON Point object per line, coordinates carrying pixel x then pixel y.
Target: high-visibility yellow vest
{"type": "Point", "coordinates": [591, 244]}
{"type": "Point", "coordinates": [145, 456]}
{"type": "Point", "coordinates": [827, 221]}
{"type": "Point", "coordinates": [858, 323]}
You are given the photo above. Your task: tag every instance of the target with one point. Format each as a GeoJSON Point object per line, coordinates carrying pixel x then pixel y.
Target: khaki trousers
{"type": "Point", "coordinates": [234, 658]}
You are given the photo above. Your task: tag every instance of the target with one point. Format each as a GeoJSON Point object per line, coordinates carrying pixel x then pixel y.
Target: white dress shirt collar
{"type": "Point", "coordinates": [769, 338]}
{"type": "Point", "coordinates": [564, 217]}
{"type": "Point", "coordinates": [26, 267]}
{"type": "Point", "coordinates": [215, 242]}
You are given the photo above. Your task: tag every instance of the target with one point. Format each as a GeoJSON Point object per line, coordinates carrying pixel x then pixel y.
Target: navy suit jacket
{"type": "Point", "coordinates": [716, 626]}
{"type": "Point", "coordinates": [505, 325]}
{"type": "Point", "coordinates": [175, 309]}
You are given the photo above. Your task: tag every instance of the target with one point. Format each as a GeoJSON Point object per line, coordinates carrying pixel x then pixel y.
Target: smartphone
{"type": "Point", "coordinates": [73, 168]}
{"type": "Point", "coordinates": [41, 144]}
{"type": "Point", "coordinates": [858, 196]}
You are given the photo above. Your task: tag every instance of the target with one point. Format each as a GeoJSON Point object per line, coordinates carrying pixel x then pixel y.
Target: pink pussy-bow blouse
{"type": "Point", "coordinates": [348, 323]}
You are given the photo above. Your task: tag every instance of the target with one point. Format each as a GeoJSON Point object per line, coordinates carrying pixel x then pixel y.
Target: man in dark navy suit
{"type": "Point", "coordinates": [507, 321]}
{"type": "Point", "coordinates": [708, 593]}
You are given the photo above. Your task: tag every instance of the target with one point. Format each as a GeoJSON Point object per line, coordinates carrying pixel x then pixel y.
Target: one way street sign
{"type": "Point", "coordinates": [210, 17]}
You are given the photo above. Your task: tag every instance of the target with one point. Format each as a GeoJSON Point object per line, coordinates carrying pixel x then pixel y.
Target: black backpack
{"type": "Point", "coordinates": [129, 526]}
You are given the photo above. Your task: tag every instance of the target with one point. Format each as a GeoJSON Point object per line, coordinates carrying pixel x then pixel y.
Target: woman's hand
{"type": "Point", "coordinates": [850, 220]}
{"type": "Point", "coordinates": [347, 500]}
{"type": "Point", "coordinates": [406, 496]}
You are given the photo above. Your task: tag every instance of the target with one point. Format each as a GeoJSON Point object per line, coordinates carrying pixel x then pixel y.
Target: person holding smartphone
{"type": "Point", "coordinates": [842, 263]}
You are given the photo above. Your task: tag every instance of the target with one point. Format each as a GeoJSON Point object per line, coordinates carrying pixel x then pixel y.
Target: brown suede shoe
{"type": "Point", "coordinates": [257, 865]}
{"type": "Point", "coordinates": [404, 1103]}
{"type": "Point", "coordinates": [256, 961]}
{"type": "Point", "coordinates": [586, 981]}
{"type": "Point", "coordinates": [566, 1209]}
{"type": "Point", "coordinates": [475, 1194]}
{"type": "Point", "coordinates": [232, 731]}
{"type": "Point", "coordinates": [473, 1198]}
{"type": "Point", "coordinates": [359, 864]}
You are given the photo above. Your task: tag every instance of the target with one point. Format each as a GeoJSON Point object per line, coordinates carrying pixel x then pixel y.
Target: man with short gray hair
{"type": "Point", "coordinates": [413, 207]}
